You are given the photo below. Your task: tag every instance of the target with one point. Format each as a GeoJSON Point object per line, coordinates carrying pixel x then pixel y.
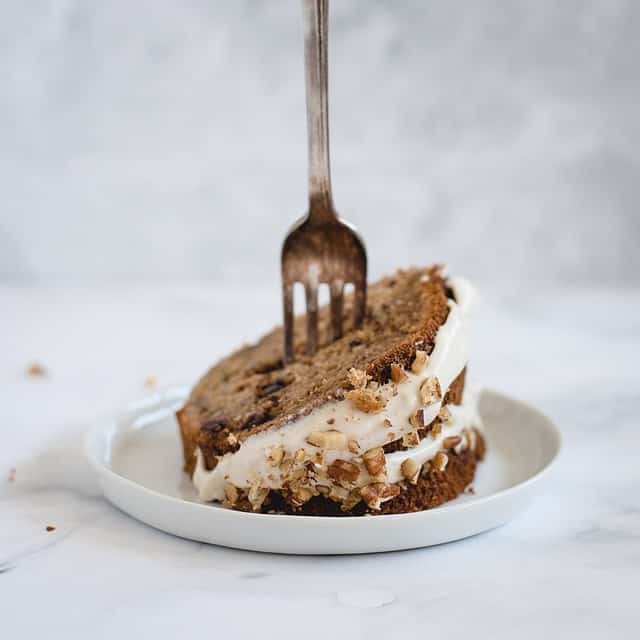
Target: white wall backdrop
{"type": "Point", "coordinates": [165, 140]}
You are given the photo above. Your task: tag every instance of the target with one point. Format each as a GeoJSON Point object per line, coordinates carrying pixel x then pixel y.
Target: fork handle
{"type": "Point", "coordinates": [315, 57]}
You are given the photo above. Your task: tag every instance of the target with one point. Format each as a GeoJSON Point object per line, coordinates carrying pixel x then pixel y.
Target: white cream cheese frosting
{"type": "Point", "coordinates": [250, 465]}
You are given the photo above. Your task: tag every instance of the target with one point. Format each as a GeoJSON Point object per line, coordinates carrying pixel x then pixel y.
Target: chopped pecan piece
{"type": "Point", "coordinates": [430, 391]}
{"type": "Point", "coordinates": [374, 461]}
{"type": "Point", "coordinates": [440, 461]}
{"type": "Point", "coordinates": [451, 442]}
{"type": "Point", "coordinates": [445, 415]}
{"type": "Point", "coordinates": [331, 439]}
{"type": "Point", "coordinates": [231, 493]}
{"type": "Point", "coordinates": [376, 493]}
{"type": "Point", "coordinates": [257, 495]}
{"type": "Point", "coordinates": [410, 470]}
{"type": "Point", "coordinates": [411, 439]}
{"type": "Point", "coordinates": [353, 446]}
{"type": "Point", "coordinates": [416, 420]}
{"type": "Point", "coordinates": [301, 495]}
{"type": "Point", "coordinates": [357, 378]}
{"type": "Point", "coordinates": [351, 500]}
{"type": "Point", "coordinates": [419, 362]}
{"type": "Point", "coordinates": [398, 374]}
{"type": "Point", "coordinates": [275, 455]}
{"type": "Point", "coordinates": [344, 470]}
{"type": "Point", "coordinates": [367, 400]}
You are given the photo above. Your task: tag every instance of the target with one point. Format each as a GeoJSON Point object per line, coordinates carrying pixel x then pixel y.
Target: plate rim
{"type": "Point", "coordinates": [104, 428]}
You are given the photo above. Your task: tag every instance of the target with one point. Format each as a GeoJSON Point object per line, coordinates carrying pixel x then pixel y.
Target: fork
{"type": "Point", "coordinates": [320, 248]}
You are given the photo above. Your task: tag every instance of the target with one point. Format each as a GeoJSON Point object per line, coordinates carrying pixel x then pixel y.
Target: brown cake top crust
{"type": "Point", "coordinates": [250, 390]}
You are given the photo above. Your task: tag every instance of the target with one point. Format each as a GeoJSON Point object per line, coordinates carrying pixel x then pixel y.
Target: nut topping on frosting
{"type": "Point", "coordinates": [354, 446]}
{"type": "Point", "coordinates": [410, 470]}
{"type": "Point", "coordinates": [367, 400]}
{"type": "Point", "coordinates": [440, 461]}
{"type": "Point", "coordinates": [430, 391]}
{"type": "Point", "coordinates": [331, 439]}
{"type": "Point", "coordinates": [232, 440]}
{"type": "Point", "coordinates": [374, 461]}
{"type": "Point", "coordinates": [343, 470]}
{"type": "Point", "coordinates": [297, 474]}
{"type": "Point", "coordinates": [351, 500]}
{"type": "Point", "coordinates": [285, 467]}
{"type": "Point", "coordinates": [301, 495]}
{"type": "Point", "coordinates": [275, 455]}
{"type": "Point", "coordinates": [357, 378]}
{"type": "Point", "coordinates": [231, 493]}
{"type": "Point", "coordinates": [257, 495]}
{"type": "Point", "coordinates": [376, 493]}
{"type": "Point", "coordinates": [445, 415]}
{"type": "Point", "coordinates": [419, 362]}
{"type": "Point", "coordinates": [411, 439]}
{"type": "Point", "coordinates": [416, 420]}
{"type": "Point", "coordinates": [451, 441]}
{"type": "Point", "coordinates": [398, 374]}
{"type": "Point", "coordinates": [338, 493]}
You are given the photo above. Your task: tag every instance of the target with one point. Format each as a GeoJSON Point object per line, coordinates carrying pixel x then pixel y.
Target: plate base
{"type": "Point", "coordinates": [139, 459]}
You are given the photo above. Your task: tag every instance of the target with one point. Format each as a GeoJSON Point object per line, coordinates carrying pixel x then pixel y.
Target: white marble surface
{"type": "Point", "coordinates": [568, 567]}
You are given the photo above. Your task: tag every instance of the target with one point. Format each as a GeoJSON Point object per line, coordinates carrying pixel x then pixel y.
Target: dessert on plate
{"type": "Point", "coordinates": [379, 421]}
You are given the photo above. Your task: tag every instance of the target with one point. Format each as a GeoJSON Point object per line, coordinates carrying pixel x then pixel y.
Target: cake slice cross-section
{"type": "Point", "coordinates": [379, 421]}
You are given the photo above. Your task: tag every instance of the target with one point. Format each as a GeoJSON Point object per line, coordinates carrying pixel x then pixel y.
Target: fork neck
{"type": "Point", "coordinates": [316, 74]}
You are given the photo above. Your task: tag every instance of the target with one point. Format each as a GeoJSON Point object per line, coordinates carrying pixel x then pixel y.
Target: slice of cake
{"type": "Point", "coordinates": [376, 422]}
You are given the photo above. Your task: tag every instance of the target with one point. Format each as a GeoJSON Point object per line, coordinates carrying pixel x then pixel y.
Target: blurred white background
{"type": "Point", "coordinates": [165, 141]}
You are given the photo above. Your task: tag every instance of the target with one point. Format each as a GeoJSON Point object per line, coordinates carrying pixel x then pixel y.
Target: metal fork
{"type": "Point", "coordinates": [320, 248]}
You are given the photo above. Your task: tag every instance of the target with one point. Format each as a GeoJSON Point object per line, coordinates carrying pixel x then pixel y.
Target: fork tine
{"type": "Point", "coordinates": [311, 293]}
{"type": "Point", "coordinates": [359, 301]}
{"type": "Point", "coordinates": [336, 290]}
{"type": "Point", "coordinates": [287, 300]}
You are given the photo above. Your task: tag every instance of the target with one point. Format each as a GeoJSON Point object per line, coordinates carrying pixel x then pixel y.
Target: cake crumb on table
{"type": "Point", "coordinates": [36, 370]}
{"type": "Point", "coordinates": [151, 382]}
{"type": "Point", "coordinates": [12, 475]}
{"type": "Point", "coordinates": [50, 527]}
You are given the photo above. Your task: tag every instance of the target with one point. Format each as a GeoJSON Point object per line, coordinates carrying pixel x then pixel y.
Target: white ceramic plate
{"type": "Point", "coordinates": [139, 459]}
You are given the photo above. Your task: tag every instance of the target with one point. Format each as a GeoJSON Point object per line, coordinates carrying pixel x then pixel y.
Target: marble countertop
{"type": "Point", "coordinates": [567, 567]}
